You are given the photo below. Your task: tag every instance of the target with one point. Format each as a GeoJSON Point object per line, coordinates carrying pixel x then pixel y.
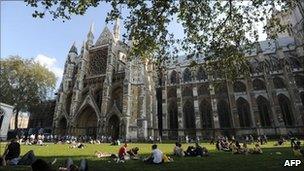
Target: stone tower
{"type": "Point", "coordinates": [104, 92]}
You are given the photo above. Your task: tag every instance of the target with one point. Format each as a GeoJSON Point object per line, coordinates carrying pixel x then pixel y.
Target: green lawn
{"type": "Point", "coordinates": [270, 160]}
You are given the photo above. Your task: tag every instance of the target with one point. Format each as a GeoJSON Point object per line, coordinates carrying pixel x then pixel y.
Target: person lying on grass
{"type": "Point", "coordinates": [100, 154]}
{"type": "Point", "coordinates": [70, 166]}
{"type": "Point", "coordinates": [78, 145]}
{"type": "Point", "coordinates": [196, 151]}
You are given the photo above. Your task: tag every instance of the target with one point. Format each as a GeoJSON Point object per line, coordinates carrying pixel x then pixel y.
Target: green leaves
{"type": "Point", "coordinates": [24, 82]}
{"type": "Point", "coordinates": [216, 29]}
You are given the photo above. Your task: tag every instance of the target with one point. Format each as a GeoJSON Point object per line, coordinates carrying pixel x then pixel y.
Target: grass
{"type": "Point", "coordinates": [269, 160]}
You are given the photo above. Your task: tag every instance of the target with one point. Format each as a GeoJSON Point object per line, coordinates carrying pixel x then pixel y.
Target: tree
{"type": "Point", "coordinates": [24, 83]}
{"type": "Point", "coordinates": [218, 31]}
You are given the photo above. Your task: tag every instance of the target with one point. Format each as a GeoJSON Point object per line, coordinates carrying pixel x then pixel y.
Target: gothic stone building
{"type": "Point", "coordinates": [270, 101]}
{"type": "Point", "coordinates": [104, 93]}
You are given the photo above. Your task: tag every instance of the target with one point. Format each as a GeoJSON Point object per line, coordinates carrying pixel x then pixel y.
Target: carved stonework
{"type": "Point", "coordinates": [98, 62]}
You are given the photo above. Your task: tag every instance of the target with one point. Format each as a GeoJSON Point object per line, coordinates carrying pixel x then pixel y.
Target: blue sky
{"type": "Point", "coordinates": [43, 39]}
{"type": "Point", "coordinates": [49, 41]}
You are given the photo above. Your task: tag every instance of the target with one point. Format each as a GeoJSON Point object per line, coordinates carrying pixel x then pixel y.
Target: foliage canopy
{"type": "Point", "coordinates": [214, 30]}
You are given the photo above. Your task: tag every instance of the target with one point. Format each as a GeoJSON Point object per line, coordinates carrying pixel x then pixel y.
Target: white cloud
{"type": "Point", "coordinates": [51, 64]}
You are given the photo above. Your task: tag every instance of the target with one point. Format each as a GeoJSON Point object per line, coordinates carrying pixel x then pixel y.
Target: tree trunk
{"type": "Point", "coordinates": [16, 119]}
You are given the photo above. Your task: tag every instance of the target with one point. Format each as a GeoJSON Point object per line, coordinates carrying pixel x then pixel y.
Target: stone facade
{"type": "Point", "coordinates": [200, 103]}
{"type": "Point", "coordinates": [103, 92]}
{"type": "Point", "coordinates": [106, 92]}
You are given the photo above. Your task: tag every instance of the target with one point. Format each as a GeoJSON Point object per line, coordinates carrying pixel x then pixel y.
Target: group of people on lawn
{"type": "Point", "coordinates": [11, 154]}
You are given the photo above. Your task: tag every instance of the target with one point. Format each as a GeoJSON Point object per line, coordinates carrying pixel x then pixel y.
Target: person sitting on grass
{"type": "Point", "coordinates": [211, 140]}
{"type": "Point", "coordinates": [222, 146]}
{"type": "Point", "coordinates": [12, 155]}
{"type": "Point", "coordinates": [190, 151]}
{"type": "Point", "coordinates": [256, 149]}
{"type": "Point", "coordinates": [156, 157]}
{"type": "Point", "coordinates": [237, 149]}
{"type": "Point", "coordinates": [297, 151]}
{"type": "Point", "coordinates": [234, 148]}
{"type": "Point", "coordinates": [122, 152]}
{"type": "Point", "coordinates": [200, 151]}
{"type": "Point", "coordinates": [178, 150]}
{"type": "Point", "coordinates": [280, 142]}
{"type": "Point", "coordinates": [245, 149]}
{"type": "Point", "coordinates": [133, 153]}
{"type": "Point", "coordinates": [12, 152]}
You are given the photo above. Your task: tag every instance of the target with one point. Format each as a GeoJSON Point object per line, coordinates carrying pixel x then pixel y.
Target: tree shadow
{"type": "Point", "coordinates": [273, 158]}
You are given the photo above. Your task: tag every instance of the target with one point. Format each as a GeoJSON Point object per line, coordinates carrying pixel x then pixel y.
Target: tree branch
{"type": "Point", "coordinates": [227, 18]}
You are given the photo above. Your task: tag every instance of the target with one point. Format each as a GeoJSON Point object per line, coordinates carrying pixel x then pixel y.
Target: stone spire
{"type": "Point", "coordinates": [116, 30]}
{"type": "Point", "coordinates": [90, 36]}
{"type": "Point", "coordinates": [73, 49]}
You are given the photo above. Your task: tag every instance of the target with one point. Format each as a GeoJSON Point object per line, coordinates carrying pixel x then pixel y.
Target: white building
{"type": "Point", "coordinates": [6, 113]}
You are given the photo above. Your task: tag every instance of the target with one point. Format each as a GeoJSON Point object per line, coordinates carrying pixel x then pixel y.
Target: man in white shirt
{"type": "Point", "coordinates": [156, 156]}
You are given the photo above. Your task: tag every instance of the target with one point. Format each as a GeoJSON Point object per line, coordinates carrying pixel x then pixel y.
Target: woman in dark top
{"type": "Point", "coordinates": [12, 150]}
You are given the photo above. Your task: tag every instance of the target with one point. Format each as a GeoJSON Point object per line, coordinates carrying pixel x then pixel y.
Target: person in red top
{"type": "Point", "coordinates": [122, 151]}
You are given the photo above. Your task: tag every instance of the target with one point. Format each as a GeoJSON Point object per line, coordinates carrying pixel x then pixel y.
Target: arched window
{"type": "Point", "coordinates": [259, 68]}
{"type": "Point", "coordinates": [171, 93]}
{"type": "Point", "coordinates": [98, 97]}
{"type": "Point", "coordinates": [264, 111]}
{"type": "Point", "coordinates": [187, 91]}
{"type": "Point", "coordinates": [258, 84]}
{"type": "Point", "coordinates": [275, 64]}
{"type": "Point", "coordinates": [239, 87]}
{"type": "Point", "coordinates": [117, 95]}
{"type": "Point", "coordinates": [68, 103]}
{"type": "Point", "coordinates": [187, 75]}
{"type": "Point", "coordinates": [223, 110]}
{"type": "Point", "coordinates": [173, 111]}
{"type": "Point", "coordinates": [61, 127]}
{"type": "Point", "coordinates": [299, 81]}
{"type": "Point", "coordinates": [220, 88]}
{"type": "Point", "coordinates": [206, 114]}
{"type": "Point", "coordinates": [174, 77]}
{"type": "Point", "coordinates": [201, 74]}
{"type": "Point", "coordinates": [203, 89]}
{"type": "Point", "coordinates": [243, 110]}
{"type": "Point", "coordinates": [286, 110]}
{"type": "Point", "coordinates": [189, 115]}
{"type": "Point", "coordinates": [278, 83]}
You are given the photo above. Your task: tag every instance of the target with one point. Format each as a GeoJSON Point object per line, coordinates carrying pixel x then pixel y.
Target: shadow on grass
{"type": "Point", "coordinates": [271, 159]}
